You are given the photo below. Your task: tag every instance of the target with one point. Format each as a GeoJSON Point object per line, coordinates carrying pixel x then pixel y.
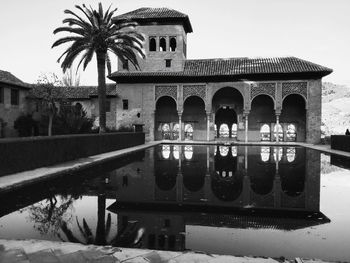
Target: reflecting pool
{"type": "Point", "coordinates": [238, 200]}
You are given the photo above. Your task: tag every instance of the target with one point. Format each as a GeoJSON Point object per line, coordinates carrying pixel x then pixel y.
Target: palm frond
{"type": "Point", "coordinates": [79, 31]}
{"type": "Point", "coordinates": [88, 232]}
{"type": "Point", "coordinates": [64, 40]}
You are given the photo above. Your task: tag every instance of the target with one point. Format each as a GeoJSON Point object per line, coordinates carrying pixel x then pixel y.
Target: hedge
{"type": "Point", "coordinates": [340, 142]}
{"type": "Point", "coordinates": [21, 154]}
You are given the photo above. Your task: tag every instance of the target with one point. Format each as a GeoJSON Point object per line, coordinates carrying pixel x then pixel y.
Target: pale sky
{"type": "Point", "coordinates": [314, 30]}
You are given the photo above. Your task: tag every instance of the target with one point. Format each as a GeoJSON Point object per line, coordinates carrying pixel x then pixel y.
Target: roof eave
{"type": "Point", "coordinates": [212, 78]}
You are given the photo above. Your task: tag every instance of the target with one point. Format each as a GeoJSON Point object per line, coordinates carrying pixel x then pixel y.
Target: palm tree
{"type": "Point", "coordinates": [96, 33]}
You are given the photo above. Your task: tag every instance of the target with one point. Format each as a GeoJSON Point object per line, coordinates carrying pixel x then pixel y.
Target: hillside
{"type": "Point", "coordinates": [335, 108]}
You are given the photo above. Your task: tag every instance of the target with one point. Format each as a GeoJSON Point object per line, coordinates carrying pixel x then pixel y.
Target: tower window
{"type": "Point", "coordinates": [152, 44]}
{"type": "Point", "coordinates": [125, 104]}
{"type": "Point", "coordinates": [162, 44]}
{"type": "Point", "coordinates": [172, 44]}
{"type": "Point", "coordinates": [168, 63]}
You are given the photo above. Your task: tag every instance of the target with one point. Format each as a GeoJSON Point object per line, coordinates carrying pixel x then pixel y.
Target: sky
{"type": "Point", "coordinates": [314, 30]}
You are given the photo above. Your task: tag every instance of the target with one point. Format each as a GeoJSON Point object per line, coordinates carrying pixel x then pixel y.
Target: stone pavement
{"type": "Point", "coordinates": [38, 251]}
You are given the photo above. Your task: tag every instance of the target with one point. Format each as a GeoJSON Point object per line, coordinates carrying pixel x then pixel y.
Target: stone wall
{"type": "Point", "coordinates": [155, 60]}
{"type": "Point", "coordinates": [23, 154]}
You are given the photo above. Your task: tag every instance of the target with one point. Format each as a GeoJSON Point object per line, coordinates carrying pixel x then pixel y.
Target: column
{"type": "Point", "coordinates": [277, 182]}
{"type": "Point", "coordinates": [277, 124]}
{"type": "Point", "coordinates": [245, 114]}
{"type": "Point", "coordinates": [152, 126]}
{"type": "Point", "coordinates": [208, 126]}
{"type": "Point", "coordinates": [180, 125]}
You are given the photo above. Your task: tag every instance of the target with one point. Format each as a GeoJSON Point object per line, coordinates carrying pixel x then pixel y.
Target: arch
{"type": "Point", "coordinates": [265, 132]}
{"type": "Point", "coordinates": [162, 44]}
{"type": "Point", "coordinates": [294, 112]}
{"type": "Point", "coordinates": [165, 113]}
{"type": "Point", "coordinates": [291, 132]}
{"type": "Point", "coordinates": [193, 168]}
{"type": "Point", "coordinates": [264, 94]}
{"type": "Point", "coordinates": [227, 103]}
{"type": "Point", "coordinates": [265, 153]}
{"type": "Point", "coordinates": [172, 44]}
{"type": "Point", "coordinates": [224, 131]}
{"type": "Point", "coordinates": [188, 131]}
{"type": "Point", "coordinates": [295, 94]}
{"type": "Point", "coordinates": [192, 97]}
{"type": "Point", "coordinates": [227, 88]}
{"type": "Point", "coordinates": [163, 96]}
{"type": "Point", "coordinates": [165, 168]}
{"type": "Point", "coordinates": [194, 117]}
{"type": "Point", "coordinates": [152, 44]}
{"type": "Point", "coordinates": [261, 112]}
{"type": "Point", "coordinates": [290, 154]}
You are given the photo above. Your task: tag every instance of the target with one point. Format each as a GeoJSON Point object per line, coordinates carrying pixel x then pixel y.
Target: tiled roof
{"type": "Point", "coordinates": [243, 67]}
{"type": "Point", "coordinates": [156, 14]}
{"type": "Point", "coordinates": [81, 92]}
{"type": "Point", "coordinates": [8, 78]}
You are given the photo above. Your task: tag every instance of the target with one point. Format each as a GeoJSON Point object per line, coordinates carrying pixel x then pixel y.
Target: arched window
{"type": "Point", "coordinates": [188, 152]}
{"type": "Point", "coordinates": [223, 150]}
{"type": "Point", "coordinates": [176, 129]}
{"type": "Point", "coordinates": [234, 130]}
{"type": "Point", "coordinates": [152, 44]}
{"type": "Point", "coordinates": [278, 130]}
{"type": "Point", "coordinates": [291, 133]}
{"type": "Point", "coordinates": [224, 131]}
{"type": "Point", "coordinates": [166, 151]}
{"type": "Point", "coordinates": [188, 132]}
{"type": "Point", "coordinates": [234, 151]}
{"type": "Point", "coordinates": [166, 131]}
{"type": "Point", "coordinates": [162, 44]}
{"type": "Point", "coordinates": [290, 154]}
{"type": "Point", "coordinates": [265, 132]}
{"type": "Point", "coordinates": [172, 44]}
{"type": "Point", "coordinates": [277, 153]}
{"type": "Point", "coordinates": [176, 152]}
{"type": "Point", "coordinates": [265, 154]}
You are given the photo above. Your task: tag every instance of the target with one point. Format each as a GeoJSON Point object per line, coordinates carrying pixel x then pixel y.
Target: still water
{"type": "Point", "coordinates": [238, 200]}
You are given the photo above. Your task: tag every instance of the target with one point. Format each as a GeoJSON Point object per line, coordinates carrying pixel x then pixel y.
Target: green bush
{"type": "Point", "coordinates": [69, 120]}
{"type": "Point", "coordinates": [24, 125]}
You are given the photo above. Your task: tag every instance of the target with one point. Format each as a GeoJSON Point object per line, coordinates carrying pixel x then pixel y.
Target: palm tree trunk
{"type": "Point", "coordinates": [101, 213]}
{"type": "Point", "coordinates": [101, 69]}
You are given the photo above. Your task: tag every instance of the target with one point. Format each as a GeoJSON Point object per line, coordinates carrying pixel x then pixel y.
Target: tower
{"type": "Point", "coordinates": [165, 31]}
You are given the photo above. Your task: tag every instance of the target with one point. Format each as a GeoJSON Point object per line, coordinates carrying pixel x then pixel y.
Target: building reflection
{"type": "Point", "coordinates": [234, 186]}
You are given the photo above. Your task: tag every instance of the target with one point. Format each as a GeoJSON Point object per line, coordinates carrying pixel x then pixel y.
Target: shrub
{"type": "Point", "coordinates": [69, 120]}
{"type": "Point", "coordinates": [24, 125]}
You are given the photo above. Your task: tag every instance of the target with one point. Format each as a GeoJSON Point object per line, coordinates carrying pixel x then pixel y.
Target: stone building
{"type": "Point", "coordinates": [86, 96]}
{"type": "Point", "coordinates": [246, 99]}
{"type": "Point", "coordinates": [13, 93]}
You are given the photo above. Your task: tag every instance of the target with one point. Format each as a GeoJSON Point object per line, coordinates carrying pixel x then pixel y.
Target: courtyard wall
{"type": "Point", "coordinates": [23, 154]}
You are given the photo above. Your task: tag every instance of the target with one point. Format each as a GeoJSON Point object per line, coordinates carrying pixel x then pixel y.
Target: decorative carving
{"type": "Point", "coordinates": [194, 90]}
{"type": "Point", "coordinates": [263, 88]}
{"type": "Point", "coordinates": [294, 88]}
{"type": "Point", "coordinates": [165, 90]}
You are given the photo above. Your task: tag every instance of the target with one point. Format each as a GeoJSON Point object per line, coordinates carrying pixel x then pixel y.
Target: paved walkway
{"type": "Point", "coordinates": [12, 181]}
{"type": "Point", "coordinates": [37, 251]}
